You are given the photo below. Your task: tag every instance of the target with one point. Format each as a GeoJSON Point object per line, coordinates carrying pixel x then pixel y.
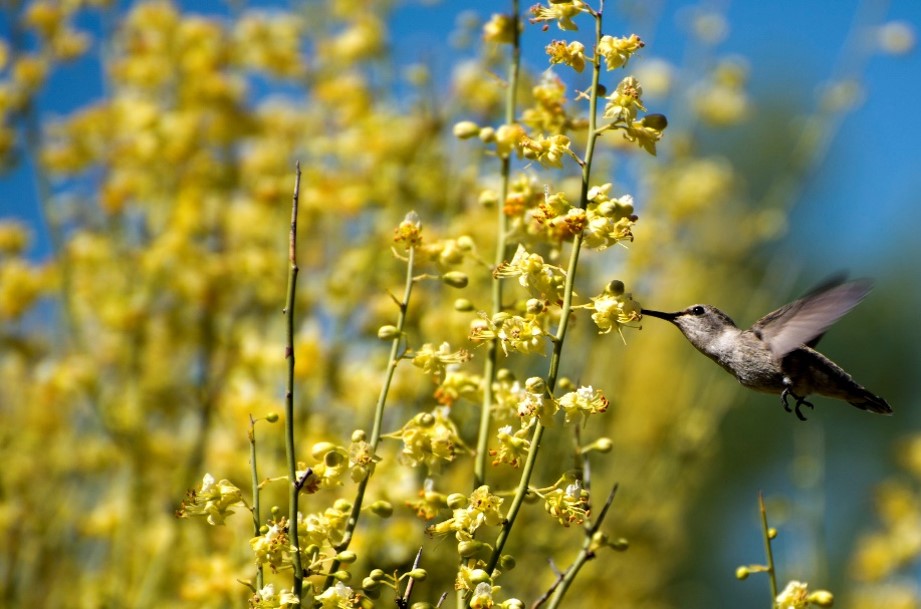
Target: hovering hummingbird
{"type": "Point", "coordinates": [776, 354]}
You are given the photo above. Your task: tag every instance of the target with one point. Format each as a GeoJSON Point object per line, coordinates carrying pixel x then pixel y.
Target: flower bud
{"type": "Point", "coordinates": [772, 533]}
{"type": "Point", "coordinates": [535, 384]}
{"type": "Point", "coordinates": [655, 121]}
{"type": "Point", "coordinates": [381, 509]}
{"type": "Point", "coordinates": [455, 279]}
{"type": "Point", "coordinates": [479, 576]}
{"type": "Point", "coordinates": [457, 501]}
{"type": "Point", "coordinates": [488, 198]}
{"type": "Point", "coordinates": [822, 598]}
{"type": "Point", "coordinates": [426, 419]}
{"type": "Point", "coordinates": [487, 135]}
{"type": "Point", "coordinates": [272, 417]}
{"type": "Point", "coordinates": [620, 544]}
{"type": "Point", "coordinates": [615, 288]}
{"type": "Point", "coordinates": [742, 573]}
{"type": "Point", "coordinates": [418, 574]}
{"type": "Point", "coordinates": [534, 306]}
{"type": "Point", "coordinates": [342, 576]}
{"type": "Point", "coordinates": [346, 556]}
{"type": "Point", "coordinates": [387, 332]}
{"type": "Point", "coordinates": [463, 305]}
{"type": "Point", "coordinates": [342, 505]}
{"type": "Point", "coordinates": [320, 449]}
{"type": "Point", "coordinates": [466, 129]}
{"type": "Point", "coordinates": [470, 547]}
{"type": "Point", "coordinates": [507, 562]}
{"type": "Point", "coordinates": [359, 435]}
{"type": "Point", "coordinates": [377, 574]}
{"type": "Point", "coordinates": [369, 585]}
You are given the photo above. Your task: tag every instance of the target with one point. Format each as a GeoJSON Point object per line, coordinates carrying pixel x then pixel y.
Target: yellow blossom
{"type": "Point", "coordinates": [618, 51]}
{"type": "Point", "coordinates": [572, 54]}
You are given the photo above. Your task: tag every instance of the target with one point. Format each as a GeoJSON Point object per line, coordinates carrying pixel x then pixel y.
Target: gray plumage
{"type": "Point", "coordinates": [776, 354]}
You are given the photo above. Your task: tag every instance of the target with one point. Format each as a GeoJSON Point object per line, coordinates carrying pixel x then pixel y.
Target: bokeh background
{"type": "Point", "coordinates": [791, 155]}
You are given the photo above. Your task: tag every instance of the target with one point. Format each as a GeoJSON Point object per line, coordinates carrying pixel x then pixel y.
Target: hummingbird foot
{"type": "Point", "coordinates": [800, 402]}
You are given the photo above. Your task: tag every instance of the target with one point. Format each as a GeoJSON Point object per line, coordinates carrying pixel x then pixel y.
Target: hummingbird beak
{"type": "Point", "coordinates": [659, 314]}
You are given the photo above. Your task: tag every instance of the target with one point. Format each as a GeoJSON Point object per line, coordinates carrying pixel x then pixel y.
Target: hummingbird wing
{"type": "Point", "coordinates": [804, 321]}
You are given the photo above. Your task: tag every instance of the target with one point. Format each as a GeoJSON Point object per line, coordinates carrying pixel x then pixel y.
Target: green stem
{"type": "Point", "coordinates": [559, 338]}
{"type": "Point", "coordinates": [257, 517]}
{"type": "Point", "coordinates": [294, 486]}
{"type": "Point", "coordinates": [586, 554]}
{"type": "Point", "coordinates": [378, 413]}
{"type": "Point", "coordinates": [768, 552]}
{"type": "Point", "coordinates": [489, 368]}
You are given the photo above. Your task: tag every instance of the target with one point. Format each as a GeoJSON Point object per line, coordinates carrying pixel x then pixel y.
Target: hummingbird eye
{"type": "Point", "coordinates": [698, 310]}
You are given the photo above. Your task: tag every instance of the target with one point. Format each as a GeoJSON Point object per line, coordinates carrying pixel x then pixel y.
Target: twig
{"type": "Point", "coordinates": [257, 518]}
{"type": "Point", "coordinates": [768, 552]}
{"type": "Point", "coordinates": [404, 602]}
{"type": "Point", "coordinates": [293, 489]}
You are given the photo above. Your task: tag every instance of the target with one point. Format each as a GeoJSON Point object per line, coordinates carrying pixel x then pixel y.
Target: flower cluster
{"type": "Point", "coordinates": [796, 595]}
{"type": "Point", "coordinates": [608, 220]}
{"type": "Point", "coordinates": [613, 308]}
{"type": "Point", "coordinates": [578, 404]}
{"type": "Point", "coordinates": [560, 11]}
{"type": "Point", "coordinates": [515, 333]}
{"type": "Point", "coordinates": [273, 547]}
{"type": "Point", "coordinates": [542, 280]}
{"type": "Point", "coordinates": [513, 446]}
{"type": "Point", "coordinates": [430, 438]}
{"type": "Point", "coordinates": [481, 507]}
{"type": "Point", "coordinates": [434, 361]}
{"type": "Point", "coordinates": [569, 505]}
{"type": "Point", "coordinates": [213, 500]}
{"type": "Point", "coordinates": [268, 598]}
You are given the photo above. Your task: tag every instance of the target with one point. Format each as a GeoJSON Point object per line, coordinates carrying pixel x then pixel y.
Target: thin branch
{"type": "Point", "coordinates": [293, 488]}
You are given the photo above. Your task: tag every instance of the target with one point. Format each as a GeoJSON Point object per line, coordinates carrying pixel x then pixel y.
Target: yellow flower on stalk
{"type": "Point", "coordinates": [560, 11]}
{"type": "Point", "coordinates": [481, 507]}
{"type": "Point", "coordinates": [624, 102]}
{"type": "Point", "coordinates": [435, 361]}
{"type": "Point", "coordinates": [213, 500]}
{"type": "Point", "coordinates": [796, 595]}
{"type": "Point", "coordinates": [522, 334]}
{"type": "Point", "coordinates": [548, 151]}
{"type": "Point", "coordinates": [572, 54]}
{"type": "Point", "coordinates": [14, 237]}
{"type": "Point", "coordinates": [430, 438]}
{"type": "Point", "coordinates": [618, 51]}
{"type": "Point", "coordinates": [499, 29]}
{"type": "Point", "coordinates": [513, 446]}
{"type": "Point", "coordinates": [578, 404]}
{"type": "Point", "coordinates": [337, 597]}
{"type": "Point", "coordinates": [509, 138]}
{"type": "Point", "coordinates": [541, 279]}
{"type": "Point", "coordinates": [613, 308]}
{"type": "Point", "coordinates": [570, 505]}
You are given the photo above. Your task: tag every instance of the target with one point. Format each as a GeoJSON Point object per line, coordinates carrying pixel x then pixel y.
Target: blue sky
{"type": "Point", "coordinates": [863, 199]}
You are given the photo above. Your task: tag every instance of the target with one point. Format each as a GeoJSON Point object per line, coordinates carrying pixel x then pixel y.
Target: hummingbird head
{"type": "Point", "coordinates": [703, 325]}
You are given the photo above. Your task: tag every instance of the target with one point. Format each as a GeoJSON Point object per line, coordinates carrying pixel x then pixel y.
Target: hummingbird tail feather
{"type": "Point", "coordinates": [872, 403]}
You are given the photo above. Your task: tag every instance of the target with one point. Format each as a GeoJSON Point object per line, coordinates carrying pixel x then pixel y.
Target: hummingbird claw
{"type": "Point", "coordinates": [800, 402]}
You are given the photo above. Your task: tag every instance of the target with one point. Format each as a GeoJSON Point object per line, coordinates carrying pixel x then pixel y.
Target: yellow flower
{"type": "Point", "coordinates": [572, 54]}
{"type": "Point", "coordinates": [618, 51]}
{"type": "Point", "coordinates": [500, 29]}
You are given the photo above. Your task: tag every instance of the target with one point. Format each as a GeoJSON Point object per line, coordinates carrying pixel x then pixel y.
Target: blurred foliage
{"type": "Point", "coordinates": [133, 358]}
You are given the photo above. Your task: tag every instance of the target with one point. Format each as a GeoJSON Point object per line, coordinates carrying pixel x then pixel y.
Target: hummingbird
{"type": "Point", "coordinates": [777, 355]}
